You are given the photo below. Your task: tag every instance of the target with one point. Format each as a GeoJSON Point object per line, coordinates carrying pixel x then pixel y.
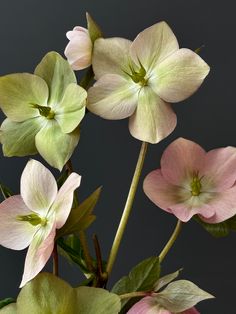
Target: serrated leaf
{"type": "Point", "coordinates": [142, 277]}
{"type": "Point", "coordinates": [6, 192]}
{"type": "Point", "coordinates": [81, 217]}
{"type": "Point", "coordinates": [93, 28]}
{"type": "Point", "coordinates": [163, 281]}
{"type": "Point", "coordinates": [181, 295]}
{"type": "Point", "coordinates": [218, 230]}
{"type": "Point", "coordinates": [6, 302]}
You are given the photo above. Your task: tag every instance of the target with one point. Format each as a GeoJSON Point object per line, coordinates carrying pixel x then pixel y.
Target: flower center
{"type": "Point", "coordinates": [33, 219]}
{"type": "Point", "coordinates": [138, 74]}
{"type": "Point", "coordinates": [196, 185]}
{"type": "Point", "coordinates": [44, 111]}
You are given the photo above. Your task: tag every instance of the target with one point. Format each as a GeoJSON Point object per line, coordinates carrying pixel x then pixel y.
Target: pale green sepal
{"type": "Point", "coordinates": [57, 73]}
{"type": "Point", "coordinates": [93, 28]}
{"type": "Point", "coordinates": [71, 110]}
{"type": "Point", "coordinates": [82, 216]}
{"type": "Point", "coordinates": [9, 309]}
{"type": "Point", "coordinates": [181, 295]}
{"type": "Point", "coordinates": [96, 300]}
{"type": "Point", "coordinates": [18, 138]}
{"type": "Point", "coordinates": [19, 92]}
{"type": "Point", "coordinates": [163, 281]}
{"type": "Point", "coordinates": [55, 146]}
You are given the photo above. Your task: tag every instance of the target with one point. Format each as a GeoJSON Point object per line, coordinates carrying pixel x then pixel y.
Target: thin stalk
{"type": "Point", "coordinates": [133, 295]}
{"type": "Point", "coordinates": [171, 241]}
{"type": "Point", "coordinates": [55, 260]}
{"type": "Point", "coordinates": [127, 209]}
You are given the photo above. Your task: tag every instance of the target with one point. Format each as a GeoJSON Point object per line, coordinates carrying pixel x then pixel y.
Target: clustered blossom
{"type": "Point", "coordinates": [31, 219]}
{"type": "Point", "coordinates": [192, 181]}
{"type": "Point", "coordinates": [139, 79]}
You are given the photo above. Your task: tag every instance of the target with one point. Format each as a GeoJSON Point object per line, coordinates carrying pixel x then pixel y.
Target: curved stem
{"type": "Point", "coordinates": [127, 209]}
{"type": "Point", "coordinates": [171, 241]}
{"type": "Point", "coordinates": [134, 295]}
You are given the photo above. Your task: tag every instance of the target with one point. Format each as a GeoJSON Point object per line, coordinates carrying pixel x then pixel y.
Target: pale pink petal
{"type": "Point", "coordinates": [223, 205]}
{"type": "Point", "coordinates": [220, 168]}
{"type": "Point", "coordinates": [111, 56]}
{"type": "Point", "coordinates": [147, 305]}
{"type": "Point", "coordinates": [14, 233]}
{"type": "Point", "coordinates": [113, 97]}
{"type": "Point", "coordinates": [76, 30]}
{"type": "Point", "coordinates": [184, 211]}
{"type": "Point", "coordinates": [180, 160]}
{"type": "Point", "coordinates": [153, 45]}
{"type": "Point", "coordinates": [179, 75]}
{"type": "Point", "coordinates": [38, 187]}
{"type": "Point", "coordinates": [62, 206]}
{"type": "Point", "coordinates": [191, 311]}
{"type": "Point", "coordinates": [153, 119]}
{"type": "Point", "coordinates": [159, 191]}
{"type": "Point", "coordinates": [39, 252]}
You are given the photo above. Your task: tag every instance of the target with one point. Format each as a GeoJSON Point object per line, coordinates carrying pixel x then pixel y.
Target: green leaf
{"type": "Point", "coordinates": [9, 309]}
{"type": "Point", "coordinates": [47, 293]}
{"type": "Point", "coordinates": [218, 230]}
{"type": "Point", "coordinates": [6, 192]}
{"type": "Point", "coordinates": [93, 28]}
{"type": "Point", "coordinates": [81, 217]}
{"type": "Point", "coordinates": [142, 277]}
{"type": "Point", "coordinates": [6, 302]}
{"type": "Point", "coordinates": [163, 281]}
{"type": "Point", "coordinates": [181, 295]}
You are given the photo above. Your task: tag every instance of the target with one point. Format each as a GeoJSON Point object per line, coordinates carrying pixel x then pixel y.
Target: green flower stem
{"type": "Point", "coordinates": [171, 241]}
{"type": "Point", "coordinates": [134, 294]}
{"type": "Point", "coordinates": [55, 260]}
{"type": "Point", "coordinates": [127, 209]}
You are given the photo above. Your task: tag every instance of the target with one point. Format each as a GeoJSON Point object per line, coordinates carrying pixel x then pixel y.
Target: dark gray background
{"type": "Point", "coordinates": [107, 154]}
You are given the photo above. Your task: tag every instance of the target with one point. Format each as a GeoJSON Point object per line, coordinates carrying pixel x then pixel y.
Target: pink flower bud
{"type": "Point", "coordinates": [79, 49]}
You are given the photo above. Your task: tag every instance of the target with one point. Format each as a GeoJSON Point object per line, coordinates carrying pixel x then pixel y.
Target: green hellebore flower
{"type": "Point", "coordinates": [43, 111]}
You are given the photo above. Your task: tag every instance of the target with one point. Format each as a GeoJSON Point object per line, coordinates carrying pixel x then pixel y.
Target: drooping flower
{"type": "Point", "coordinates": [79, 49]}
{"type": "Point", "coordinates": [43, 111]}
{"type": "Point", "coordinates": [192, 181]}
{"type": "Point", "coordinates": [139, 79]}
{"type": "Point", "coordinates": [149, 305]}
{"type": "Point", "coordinates": [31, 219]}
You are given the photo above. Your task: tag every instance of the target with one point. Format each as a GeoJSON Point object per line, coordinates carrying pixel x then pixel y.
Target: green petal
{"type": "Point", "coordinates": [18, 138]}
{"type": "Point", "coordinates": [18, 92]}
{"type": "Point", "coordinates": [57, 73]}
{"type": "Point", "coordinates": [55, 146]}
{"type": "Point", "coordinates": [71, 110]}
{"type": "Point", "coordinates": [153, 119]}
{"type": "Point", "coordinates": [9, 309]}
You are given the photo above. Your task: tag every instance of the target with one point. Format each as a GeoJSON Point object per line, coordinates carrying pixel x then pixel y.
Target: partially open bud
{"type": "Point", "coordinates": [79, 49]}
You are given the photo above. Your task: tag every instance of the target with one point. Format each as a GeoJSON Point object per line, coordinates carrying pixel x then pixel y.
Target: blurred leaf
{"type": "Point", "coordinates": [163, 281]}
{"type": "Point", "coordinates": [9, 309]}
{"type": "Point", "coordinates": [218, 230]}
{"type": "Point", "coordinates": [142, 277]}
{"type": "Point", "coordinates": [93, 28]}
{"type": "Point", "coordinates": [6, 302]}
{"type": "Point", "coordinates": [6, 192]}
{"type": "Point", "coordinates": [81, 217]}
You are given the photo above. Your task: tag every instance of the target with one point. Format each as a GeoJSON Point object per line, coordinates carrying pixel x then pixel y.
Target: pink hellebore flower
{"type": "Point", "coordinates": [31, 219]}
{"type": "Point", "coordinates": [79, 49]}
{"type": "Point", "coordinates": [139, 79]}
{"type": "Point", "coordinates": [192, 181]}
{"type": "Point", "coordinates": [149, 305]}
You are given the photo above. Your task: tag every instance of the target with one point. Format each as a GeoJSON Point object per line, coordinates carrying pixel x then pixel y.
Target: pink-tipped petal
{"type": "Point", "coordinates": [180, 160]}
{"type": "Point", "coordinates": [220, 168]}
{"type": "Point", "coordinates": [147, 305]}
{"type": "Point", "coordinates": [62, 206]}
{"type": "Point", "coordinates": [14, 233]}
{"type": "Point", "coordinates": [153, 45]}
{"type": "Point", "coordinates": [223, 205]}
{"type": "Point", "coordinates": [38, 187]}
{"type": "Point", "coordinates": [193, 310]}
{"type": "Point", "coordinates": [39, 252]}
{"type": "Point", "coordinates": [159, 191]}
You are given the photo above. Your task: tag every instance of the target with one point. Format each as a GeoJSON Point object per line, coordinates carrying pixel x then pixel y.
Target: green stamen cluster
{"type": "Point", "coordinates": [44, 111]}
{"type": "Point", "coordinates": [196, 185]}
{"type": "Point", "coordinates": [33, 219]}
{"type": "Point", "coordinates": [138, 76]}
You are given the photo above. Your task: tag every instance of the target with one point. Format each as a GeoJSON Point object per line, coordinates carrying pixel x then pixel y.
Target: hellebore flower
{"type": "Point", "coordinates": [138, 80]}
{"type": "Point", "coordinates": [149, 305]}
{"type": "Point", "coordinates": [43, 111]}
{"type": "Point", "coordinates": [192, 181]}
{"type": "Point", "coordinates": [79, 49]}
{"type": "Point", "coordinates": [31, 219]}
